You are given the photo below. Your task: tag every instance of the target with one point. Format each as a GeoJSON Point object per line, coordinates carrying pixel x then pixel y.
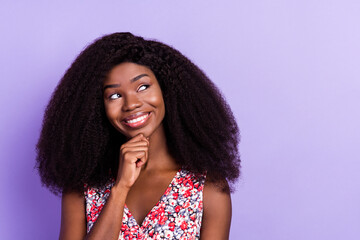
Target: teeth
{"type": "Point", "coordinates": [137, 119]}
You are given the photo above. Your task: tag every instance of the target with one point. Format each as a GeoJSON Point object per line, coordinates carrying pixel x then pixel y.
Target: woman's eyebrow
{"type": "Point", "coordinates": [138, 77]}
{"type": "Point", "coordinates": [131, 80]}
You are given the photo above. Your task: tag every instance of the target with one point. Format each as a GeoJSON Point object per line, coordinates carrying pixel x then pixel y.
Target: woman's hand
{"type": "Point", "coordinates": [133, 155]}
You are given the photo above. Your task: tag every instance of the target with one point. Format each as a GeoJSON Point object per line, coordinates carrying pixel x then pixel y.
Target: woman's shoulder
{"type": "Point", "coordinates": [217, 199]}
{"type": "Point", "coordinates": [188, 174]}
{"type": "Point", "coordinates": [98, 191]}
{"type": "Point", "coordinates": [186, 178]}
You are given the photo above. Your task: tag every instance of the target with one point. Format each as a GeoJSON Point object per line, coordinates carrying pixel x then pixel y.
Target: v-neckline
{"type": "Point", "coordinates": [167, 191]}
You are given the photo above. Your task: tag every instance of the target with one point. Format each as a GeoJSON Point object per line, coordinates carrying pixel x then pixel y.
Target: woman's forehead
{"type": "Point", "coordinates": [128, 72]}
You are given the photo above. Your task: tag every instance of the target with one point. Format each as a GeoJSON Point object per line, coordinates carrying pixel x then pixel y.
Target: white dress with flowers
{"type": "Point", "coordinates": [177, 215]}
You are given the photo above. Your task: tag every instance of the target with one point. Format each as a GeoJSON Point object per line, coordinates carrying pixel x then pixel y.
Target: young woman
{"type": "Point", "coordinates": [141, 145]}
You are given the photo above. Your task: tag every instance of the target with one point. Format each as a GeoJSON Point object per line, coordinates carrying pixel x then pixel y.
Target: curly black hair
{"type": "Point", "coordinates": [78, 145]}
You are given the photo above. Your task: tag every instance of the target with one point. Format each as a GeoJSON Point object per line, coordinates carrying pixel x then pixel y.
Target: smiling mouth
{"type": "Point", "coordinates": [138, 121]}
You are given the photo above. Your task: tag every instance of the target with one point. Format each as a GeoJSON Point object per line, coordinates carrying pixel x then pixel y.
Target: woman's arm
{"type": "Point", "coordinates": [217, 212]}
{"type": "Point", "coordinates": [133, 155]}
{"type": "Point", "coordinates": [107, 226]}
{"type": "Point", "coordinates": [73, 222]}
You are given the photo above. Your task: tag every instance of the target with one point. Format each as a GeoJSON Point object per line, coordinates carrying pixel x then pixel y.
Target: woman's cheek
{"type": "Point", "coordinates": [155, 100]}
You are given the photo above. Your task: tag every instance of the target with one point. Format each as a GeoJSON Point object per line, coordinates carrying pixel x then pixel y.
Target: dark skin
{"type": "Point", "coordinates": [135, 107]}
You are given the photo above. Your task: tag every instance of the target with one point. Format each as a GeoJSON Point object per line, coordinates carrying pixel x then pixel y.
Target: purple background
{"type": "Point", "coordinates": [289, 69]}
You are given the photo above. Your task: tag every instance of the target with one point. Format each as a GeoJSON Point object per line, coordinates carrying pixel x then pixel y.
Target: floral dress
{"type": "Point", "coordinates": [177, 215]}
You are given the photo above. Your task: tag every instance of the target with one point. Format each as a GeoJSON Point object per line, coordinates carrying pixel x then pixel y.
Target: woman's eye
{"type": "Point", "coordinates": [114, 96]}
{"type": "Point", "coordinates": [143, 87]}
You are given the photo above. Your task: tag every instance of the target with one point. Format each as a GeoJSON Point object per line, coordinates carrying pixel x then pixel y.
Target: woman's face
{"type": "Point", "coordinates": [133, 100]}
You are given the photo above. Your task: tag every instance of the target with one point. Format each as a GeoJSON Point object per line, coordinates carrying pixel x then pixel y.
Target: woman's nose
{"type": "Point", "coordinates": [131, 102]}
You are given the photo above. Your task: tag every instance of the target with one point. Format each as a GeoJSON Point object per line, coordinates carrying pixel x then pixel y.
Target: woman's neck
{"type": "Point", "coordinates": [159, 155]}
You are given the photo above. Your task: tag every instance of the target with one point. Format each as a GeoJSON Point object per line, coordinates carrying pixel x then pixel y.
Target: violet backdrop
{"type": "Point", "coordinates": [289, 70]}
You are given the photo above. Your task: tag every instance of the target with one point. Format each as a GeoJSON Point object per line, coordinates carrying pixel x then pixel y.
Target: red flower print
{"type": "Point", "coordinates": [167, 191]}
{"type": "Point", "coordinates": [200, 204]}
{"type": "Point", "coordinates": [183, 225]}
{"type": "Point", "coordinates": [186, 205]}
{"type": "Point", "coordinates": [187, 193]}
{"type": "Point", "coordinates": [151, 233]}
{"type": "Point", "coordinates": [124, 227]}
{"type": "Point", "coordinates": [177, 209]}
{"type": "Point", "coordinates": [162, 220]}
{"type": "Point", "coordinates": [172, 226]}
{"type": "Point", "coordinates": [177, 215]}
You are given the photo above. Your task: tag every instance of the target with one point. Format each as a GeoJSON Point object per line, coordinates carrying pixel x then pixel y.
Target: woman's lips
{"type": "Point", "coordinates": [137, 121]}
